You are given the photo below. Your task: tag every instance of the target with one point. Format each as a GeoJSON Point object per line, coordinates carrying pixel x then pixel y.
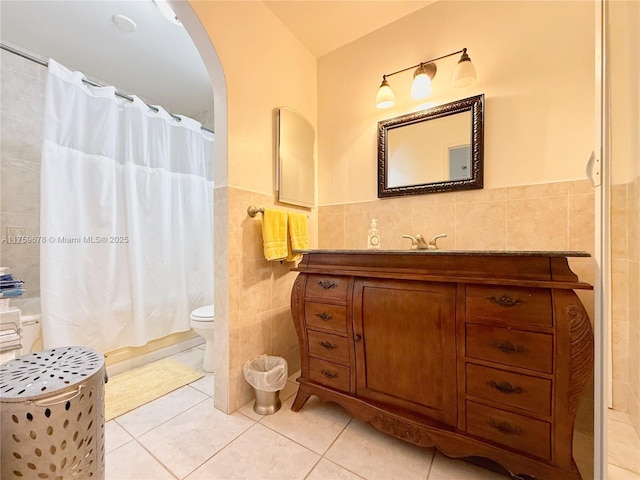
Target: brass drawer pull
{"type": "Point", "coordinates": [324, 316]}
{"type": "Point", "coordinates": [328, 373]}
{"type": "Point", "coordinates": [505, 387]}
{"type": "Point", "coordinates": [328, 345]}
{"type": "Point", "coordinates": [508, 347]}
{"type": "Point", "coordinates": [505, 300]}
{"type": "Point", "coordinates": [504, 427]}
{"type": "Point", "coordinates": [327, 284]}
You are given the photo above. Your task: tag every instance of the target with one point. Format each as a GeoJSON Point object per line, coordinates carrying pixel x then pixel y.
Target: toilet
{"type": "Point", "coordinates": [202, 324]}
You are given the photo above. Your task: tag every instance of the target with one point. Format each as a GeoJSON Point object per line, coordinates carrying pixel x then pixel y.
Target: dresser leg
{"type": "Point", "coordinates": [301, 399]}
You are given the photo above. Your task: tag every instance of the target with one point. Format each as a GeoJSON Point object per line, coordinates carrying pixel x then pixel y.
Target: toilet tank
{"type": "Point", "coordinates": [31, 327]}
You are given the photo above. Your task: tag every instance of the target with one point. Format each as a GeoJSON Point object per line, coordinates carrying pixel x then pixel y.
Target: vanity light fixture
{"type": "Point", "coordinates": [167, 11]}
{"type": "Point", "coordinates": [463, 76]}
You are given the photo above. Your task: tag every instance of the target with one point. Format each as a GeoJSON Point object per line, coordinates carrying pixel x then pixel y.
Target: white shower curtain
{"type": "Point", "coordinates": [126, 217]}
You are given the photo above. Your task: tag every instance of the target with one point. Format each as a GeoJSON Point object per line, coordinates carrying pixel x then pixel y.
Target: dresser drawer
{"type": "Point", "coordinates": [332, 347]}
{"type": "Point", "coordinates": [509, 429]}
{"type": "Point", "coordinates": [509, 388]}
{"type": "Point", "coordinates": [529, 350]}
{"type": "Point", "coordinates": [327, 287]}
{"type": "Point", "coordinates": [329, 374]}
{"type": "Point", "coordinates": [321, 315]}
{"type": "Point", "coordinates": [515, 304]}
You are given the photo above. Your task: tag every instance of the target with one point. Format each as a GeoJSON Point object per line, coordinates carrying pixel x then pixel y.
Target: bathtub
{"type": "Point", "coordinates": [116, 361]}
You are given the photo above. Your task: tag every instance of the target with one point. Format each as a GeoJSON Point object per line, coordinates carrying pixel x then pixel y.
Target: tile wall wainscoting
{"type": "Point", "coordinates": [258, 292]}
{"type": "Point", "coordinates": [22, 87]}
{"type": "Point", "coordinates": [625, 274]}
{"type": "Point", "coordinates": [552, 216]}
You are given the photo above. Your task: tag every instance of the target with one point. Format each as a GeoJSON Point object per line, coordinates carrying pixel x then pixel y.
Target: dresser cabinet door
{"type": "Point", "coordinates": [404, 335]}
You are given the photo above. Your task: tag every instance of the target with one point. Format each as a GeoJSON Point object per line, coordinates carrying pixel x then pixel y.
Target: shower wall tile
{"type": "Point", "coordinates": [22, 87]}
{"type": "Point", "coordinates": [619, 222]}
{"type": "Point", "coordinates": [17, 64]}
{"type": "Point", "coordinates": [22, 113]}
{"type": "Point", "coordinates": [20, 186]}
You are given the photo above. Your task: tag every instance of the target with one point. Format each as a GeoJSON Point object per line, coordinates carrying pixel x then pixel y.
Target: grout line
{"type": "Point", "coordinates": [157, 460]}
{"type": "Point", "coordinates": [223, 447]}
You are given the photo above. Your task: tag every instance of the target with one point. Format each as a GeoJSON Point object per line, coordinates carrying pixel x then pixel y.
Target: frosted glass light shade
{"type": "Point", "coordinates": [385, 97]}
{"type": "Point", "coordinates": [421, 86]}
{"type": "Point", "coordinates": [465, 73]}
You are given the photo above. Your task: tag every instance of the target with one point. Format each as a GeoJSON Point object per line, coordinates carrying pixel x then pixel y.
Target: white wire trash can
{"type": "Point", "coordinates": [52, 415]}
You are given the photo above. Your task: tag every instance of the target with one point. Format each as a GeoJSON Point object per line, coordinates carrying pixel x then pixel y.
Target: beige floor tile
{"type": "Point", "coordinates": [114, 436]}
{"type": "Point", "coordinates": [152, 414]}
{"type": "Point", "coordinates": [623, 446]}
{"type": "Point", "coordinates": [326, 470]}
{"type": "Point", "coordinates": [205, 384]}
{"type": "Point", "coordinates": [132, 462]}
{"type": "Point", "coordinates": [616, 473]}
{"type": "Point", "coordinates": [315, 426]}
{"type": "Point", "coordinates": [188, 440]}
{"type": "Point", "coordinates": [445, 468]}
{"type": "Point", "coordinates": [260, 453]}
{"type": "Point", "coordinates": [618, 416]}
{"type": "Point", "coordinates": [376, 456]}
{"type": "Point", "coordinates": [192, 358]}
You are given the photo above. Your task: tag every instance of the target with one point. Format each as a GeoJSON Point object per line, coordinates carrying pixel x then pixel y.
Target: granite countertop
{"type": "Point", "coordinates": [486, 253]}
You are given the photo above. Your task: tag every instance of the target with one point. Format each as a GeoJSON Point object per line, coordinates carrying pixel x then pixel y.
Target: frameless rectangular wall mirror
{"type": "Point", "coordinates": [295, 158]}
{"type": "Point", "coordinates": [435, 150]}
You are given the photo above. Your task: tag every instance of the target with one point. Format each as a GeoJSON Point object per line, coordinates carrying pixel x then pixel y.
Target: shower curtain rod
{"type": "Point", "coordinates": [44, 63]}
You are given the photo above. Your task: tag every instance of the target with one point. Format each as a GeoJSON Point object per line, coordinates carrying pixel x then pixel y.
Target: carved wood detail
{"type": "Point", "coordinates": [581, 348]}
{"type": "Point", "coordinates": [404, 430]}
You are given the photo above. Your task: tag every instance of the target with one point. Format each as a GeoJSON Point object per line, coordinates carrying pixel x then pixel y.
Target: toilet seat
{"type": "Point", "coordinates": [203, 314]}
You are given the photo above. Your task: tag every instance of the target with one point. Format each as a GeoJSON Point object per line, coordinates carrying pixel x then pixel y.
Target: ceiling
{"type": "Point", "coordinates": [158, 61]}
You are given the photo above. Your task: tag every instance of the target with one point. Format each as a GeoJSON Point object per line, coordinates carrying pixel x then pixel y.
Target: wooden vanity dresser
{"type": "Point", "coordinates": [479, 354]}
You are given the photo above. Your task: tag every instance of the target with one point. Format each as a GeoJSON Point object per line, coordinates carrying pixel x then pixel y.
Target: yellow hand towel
{"type": "Point", "coordinates": [274, 234]}
{"type": "Point", "coordinates": [298, 238]}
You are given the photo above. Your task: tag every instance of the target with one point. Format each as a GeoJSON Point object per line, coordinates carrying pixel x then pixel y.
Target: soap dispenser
{"type": "Point", "coordinates": [373, 236]}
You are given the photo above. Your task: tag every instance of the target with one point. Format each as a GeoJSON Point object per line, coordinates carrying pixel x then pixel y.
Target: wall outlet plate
{"type": "Point", "coordinates": [16, 231]}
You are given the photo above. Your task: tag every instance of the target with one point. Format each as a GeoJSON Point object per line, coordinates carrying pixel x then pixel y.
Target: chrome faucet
{"type": "Point", "coordinates": [418, 242]}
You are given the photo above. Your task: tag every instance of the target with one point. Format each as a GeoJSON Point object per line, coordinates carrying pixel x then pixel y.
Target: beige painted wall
{"type": "Point", "coordinates": [264, 67]}
{"type": "Point", "coordinates": [535, 64]}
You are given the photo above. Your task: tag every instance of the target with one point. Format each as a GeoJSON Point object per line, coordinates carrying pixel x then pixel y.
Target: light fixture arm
{"type": "Point", "coordinates": [464, 50]}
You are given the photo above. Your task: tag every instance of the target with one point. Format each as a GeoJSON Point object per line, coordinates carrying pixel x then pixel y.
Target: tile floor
{"type": "Point", "coordinates": [182, 436]}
